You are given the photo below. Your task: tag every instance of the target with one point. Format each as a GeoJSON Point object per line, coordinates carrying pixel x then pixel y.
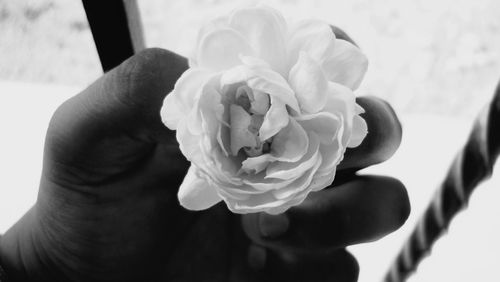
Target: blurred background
{"type": "Point", "coordinates": [436, 61]}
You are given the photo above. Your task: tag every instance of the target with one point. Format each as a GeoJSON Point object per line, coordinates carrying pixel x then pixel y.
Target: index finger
{"type": "Point", "coordinates": [381, 142]}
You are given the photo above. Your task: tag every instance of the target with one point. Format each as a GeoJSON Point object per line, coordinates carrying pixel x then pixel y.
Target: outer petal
{"type": "Point", "coordinates": [309, 83]}
{"type": "Point", "coordinates": [287, 170]}
{"type": "Point", "coordinates": [171, 111]}
{"type": "Point", "coordinates": [313, 37]}
{"type": "Point", "coordinates": [323, 181]}
{"type": "Point", "coordinates": [359, 132]}
{"type": "Point", "coordinates": [276, 201]}
{"type": "Point", "coordinates": [209, 27]}
{"type": "Point", "coordinates": [188, 143]}
{"type": "Point", "coordinates": [299, 185]}
{"type": "Point", "coordinates": [326, 125]}
{"type": "Point", "coordinates": [332, 154]}
{"type": "Point", "coordinates": [221, 49]}
{"type": "Point", "coordinates": [195, 192]}
{"type": "Point", "coordinates": [181, 100]}
{"type": "Point", "coordinates": [341, 101]}
{"type": "Point", "coordinates": [347, 65]}
{"type": "Point", "coordinates": [264, 28]}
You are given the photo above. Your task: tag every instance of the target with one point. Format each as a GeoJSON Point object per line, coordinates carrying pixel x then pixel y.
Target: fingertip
{"type": "Point", "coordinates": [135, 91]}
{"type": "Point", "coordinates": [383, 138]}
{"type": "Point", "coordinates": [400, 195]}
{"type": "Point", "coordinates": [150, 75]}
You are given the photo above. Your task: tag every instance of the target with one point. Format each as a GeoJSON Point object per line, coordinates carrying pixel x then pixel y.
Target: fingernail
{"type": "Point", "coordinates": [272, 226]}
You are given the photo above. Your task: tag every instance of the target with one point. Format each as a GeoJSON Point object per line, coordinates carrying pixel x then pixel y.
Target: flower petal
{"type": "Point", "coordinates": [195, 193]}
{"type": "Point", "coordinates": [260, 104]}
{"type": "Point", "coordinates": [218, 23]}
{"type": "Point", "coordinates": [359, 131]}
{"type": "Point", "coordinates": [256, 164]}
{"type": "Point", "coordinates": [347, 65]}
{"type": "Point", "coordinates": [313, 37]}
{"type": "Point", "coordinates": [291, 143]}
{"type": "Point", "coordinates": [264, 28]}
{"type": "Point", "coordinates": [332, 154]}
{"type": "Point", "coordinates": [221, 49]}
{"type": "Point", "coordinates": [309, 83]}
{"type": "Point", "coordinates": [188, 143]}
{"type": "Point", "coordinates": [324, 124]}
{"type": "Point", "coordinates": [275, 119]}
{"type": "Point", "coordinates": [171, 111]}
{"type": "Point", "coordinates": [287, 170]}
{"type": "Point", "coordinates": [240, 135]}
{"type": "Point", "coordinates": [261, 79]}
{"type": "Point", "coordinates": [341, 102]}
{"type": "Point", "coordinates": [181, 100]}
{"type": "Point", "coordinates": [299, 185]}
{"type": "Point", "coordinates": [323, 181]}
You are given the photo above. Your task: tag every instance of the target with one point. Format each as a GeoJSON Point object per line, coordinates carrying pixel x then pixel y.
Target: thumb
{"type": "Point", "coordinates": [127, 99]}
{"type": "Point", "coordinates": [116, 120]}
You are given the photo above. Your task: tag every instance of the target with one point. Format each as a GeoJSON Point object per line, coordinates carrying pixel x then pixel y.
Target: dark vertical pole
{"type": "Point", "coordinates": [116, 28]}
{"type": "Point", "coordinates": [473, 164]}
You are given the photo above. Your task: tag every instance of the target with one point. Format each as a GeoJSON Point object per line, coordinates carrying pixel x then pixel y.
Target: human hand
{"type": "Point", "coordinates": [107, 208]}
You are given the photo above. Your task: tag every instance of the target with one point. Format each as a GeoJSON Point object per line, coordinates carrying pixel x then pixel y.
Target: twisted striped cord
{"type": "Point", "coordinates": [473, 164]}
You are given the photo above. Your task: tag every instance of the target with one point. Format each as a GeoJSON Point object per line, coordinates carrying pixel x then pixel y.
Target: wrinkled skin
{"type": "Point", "coordinates": [107, 208]}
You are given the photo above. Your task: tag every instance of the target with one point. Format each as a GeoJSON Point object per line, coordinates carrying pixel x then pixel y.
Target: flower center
{"type": "Point", "coordinates": [246, 115]}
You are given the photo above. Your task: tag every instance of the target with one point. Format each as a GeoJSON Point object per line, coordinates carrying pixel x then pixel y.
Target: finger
{"type": "Point", "coordinates": [126, 100]}
{"type": "Point", "coordinates": [271, 265]}
{"type": "Point", "coordinates": [362, 210]}
{"type": "Point", "coordinates": [115, 123]}
{"type": "Point", "coordinates": [381, 142]}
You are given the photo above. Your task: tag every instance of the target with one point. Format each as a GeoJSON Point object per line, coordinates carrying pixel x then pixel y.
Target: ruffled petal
{"type": "Point", "coordinates": [347, 65]}
{"type": "Point", "coordinates": [195, 193]}
{"type": "Point", "coordinates": [359, 132]}
{"type": "Point", "coordinates": [213, 25]}
{"type": "Point", "coordinates": [181, 100]}
{"type": "Point", "coordinates": [287, 170]}
{"type": "Point", "coordinates": [326, 125]}
{"type": "Point", "coordinates": [309, 83]}
{"type": "Point", "coordinates": [256, 164]}
{"type": "Point", "coordinates": [320, 182]}
{"type": "Point", "coordinates": [341, 102]}
{"type": "Point", "coordinates": [264, 28]}
{"type": "Point", "coordinates": [332, 154]}
{"type": "Point", "coordinates": [188, 143]}
{"type": "Point", "coordinates": [171, 111]}
{"type": "Point", "coordinates": [261, 79]}
{"type": "Point", "coordinates": [221, 49]}
{"type": "Point", "coordinates": [291, 143]}
{"type": "Point", "coordinates": [299, 185]}
{"type": "Point", "coordinates": [313, 37]}
{"type": "Point", "coordinates": [275, 119]}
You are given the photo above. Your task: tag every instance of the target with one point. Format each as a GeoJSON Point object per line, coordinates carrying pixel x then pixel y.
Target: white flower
{"type": "Point", "coordinates": [265, 112]}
